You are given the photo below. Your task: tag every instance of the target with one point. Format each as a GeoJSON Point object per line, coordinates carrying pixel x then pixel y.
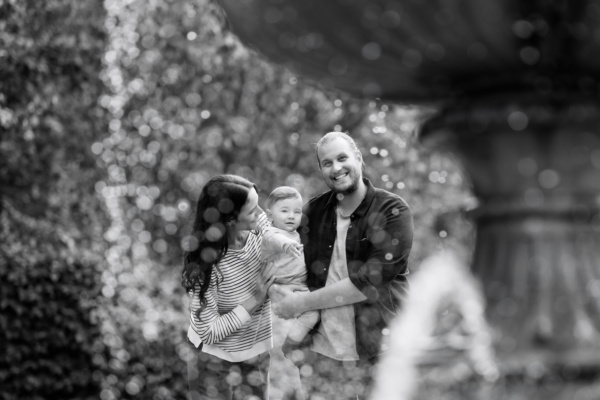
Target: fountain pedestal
{"type": "Point", "coordinates": [535, 168]}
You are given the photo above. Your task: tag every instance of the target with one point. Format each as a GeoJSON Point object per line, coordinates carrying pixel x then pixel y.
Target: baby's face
{"type": "Point", "coordinates": [286, 214]}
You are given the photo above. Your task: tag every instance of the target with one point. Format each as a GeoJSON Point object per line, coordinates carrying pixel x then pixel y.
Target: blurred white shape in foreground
{"type": "Point", "coordinates": [441, 283]}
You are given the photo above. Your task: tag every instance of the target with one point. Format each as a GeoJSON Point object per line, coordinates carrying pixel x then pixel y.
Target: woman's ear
{"type": "Point", "coordinates": [269, 215]}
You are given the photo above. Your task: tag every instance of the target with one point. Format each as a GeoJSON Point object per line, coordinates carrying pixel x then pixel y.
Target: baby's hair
{"type": "Point", "coordinates": [282, 193]}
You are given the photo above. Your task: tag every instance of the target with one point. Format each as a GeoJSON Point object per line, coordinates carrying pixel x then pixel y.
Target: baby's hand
{"type": "Point", "coordinates": [294, 249]}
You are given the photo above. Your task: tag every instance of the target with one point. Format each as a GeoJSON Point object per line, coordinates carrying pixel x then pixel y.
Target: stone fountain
{"type": "Point", "coordinates": [516, 85]}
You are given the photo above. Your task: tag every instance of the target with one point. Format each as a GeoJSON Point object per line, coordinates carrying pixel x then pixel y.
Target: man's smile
{"type": "Point", "coordinates": [338, 177]}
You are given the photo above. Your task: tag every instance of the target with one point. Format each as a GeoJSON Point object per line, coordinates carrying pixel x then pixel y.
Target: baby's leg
{"type": "Point", "coordinates": [298, 336]}
{"type": "Point", "coordinates": [302, 325]}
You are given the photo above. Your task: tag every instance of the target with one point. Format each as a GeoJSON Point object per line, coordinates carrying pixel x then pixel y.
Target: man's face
{"type": "Point", "coordinates": [340, 167]}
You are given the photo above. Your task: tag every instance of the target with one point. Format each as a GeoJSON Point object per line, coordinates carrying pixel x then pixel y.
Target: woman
{"type": "Point", "coordinates": [230, 318]}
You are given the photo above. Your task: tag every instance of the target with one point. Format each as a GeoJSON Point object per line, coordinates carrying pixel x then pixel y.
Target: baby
{"type": "Point", "coordinates": [281, 245]}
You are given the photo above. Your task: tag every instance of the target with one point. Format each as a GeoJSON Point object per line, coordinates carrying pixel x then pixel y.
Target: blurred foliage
{"type": "Point", "coordinates": [48, 108]}
{"type": "Point", "coordinates": [51, 225]}
{"type": "Point", "coordinates": [113, 115]}
{"type": "Point", "coordinates": [48, 324]}
{"type": "Point", "coordinates": [191, 102]}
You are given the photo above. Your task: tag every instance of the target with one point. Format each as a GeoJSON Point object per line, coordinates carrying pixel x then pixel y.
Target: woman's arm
{"type": "Point", "coordinates": [263, 285]}
{"type": "Point", "coordinates": [211, 326]}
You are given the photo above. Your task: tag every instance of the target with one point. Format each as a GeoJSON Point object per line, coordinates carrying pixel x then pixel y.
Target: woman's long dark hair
{"type": "Point", "coordinates": [220, 202]}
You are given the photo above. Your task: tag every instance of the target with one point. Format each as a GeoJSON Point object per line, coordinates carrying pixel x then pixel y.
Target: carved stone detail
{"type": "Point", "coordinates": [536, 172]}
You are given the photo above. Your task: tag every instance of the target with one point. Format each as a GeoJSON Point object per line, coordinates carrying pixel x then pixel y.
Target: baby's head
{"type": "Point", "coordinates": [284, 208]}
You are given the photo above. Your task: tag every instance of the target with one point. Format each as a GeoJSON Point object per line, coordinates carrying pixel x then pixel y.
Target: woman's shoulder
{"type": "Point", "coordinates": [263, 222]}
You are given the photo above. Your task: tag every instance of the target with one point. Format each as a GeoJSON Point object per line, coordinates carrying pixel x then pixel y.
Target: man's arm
{"type": "Point", "coordinates": [386, 260]}
{"type": "Point", "coordinates": [337, 294]}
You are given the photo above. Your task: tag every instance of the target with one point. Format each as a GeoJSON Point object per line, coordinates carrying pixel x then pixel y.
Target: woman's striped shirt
{"type": "Point", "coordinates": [225, 328]}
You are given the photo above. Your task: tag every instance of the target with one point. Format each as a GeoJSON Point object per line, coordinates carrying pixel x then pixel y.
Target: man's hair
{"type": "Point", "coordinates": [282, 193]}
{"type": "Point", "coordinates": [334, 135]}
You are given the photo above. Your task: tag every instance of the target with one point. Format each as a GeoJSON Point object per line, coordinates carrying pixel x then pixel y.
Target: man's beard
{"type": "Point", "coordinates": [349, 190]}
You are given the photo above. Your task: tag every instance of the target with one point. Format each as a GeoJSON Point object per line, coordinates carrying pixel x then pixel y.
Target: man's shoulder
{"type": "Point", "coordinates": [385, 195]}
{"type": "Point", "coordinates": [382, 195]}
{"type": "Point", "coordinates": [317, 200]}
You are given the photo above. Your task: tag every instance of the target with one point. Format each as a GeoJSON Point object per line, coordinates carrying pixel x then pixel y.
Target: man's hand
{"type": "Point", "coordinates": [288, 304]}
{"type": "Point", "coordinates": [276, 292]}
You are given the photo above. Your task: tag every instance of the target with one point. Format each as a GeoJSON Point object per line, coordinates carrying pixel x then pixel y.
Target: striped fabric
{"type": "Point", "coordinates": [225, 327]}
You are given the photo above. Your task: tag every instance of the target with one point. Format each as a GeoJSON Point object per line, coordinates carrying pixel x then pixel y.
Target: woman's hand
{"type": "Point", "coordinates": [264, 281]}
{"type": "Point", "coordinates": [289, 304]}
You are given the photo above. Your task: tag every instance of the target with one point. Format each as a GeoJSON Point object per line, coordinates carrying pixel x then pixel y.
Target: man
{"type": "Point", "coordinates": [357, 240]}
